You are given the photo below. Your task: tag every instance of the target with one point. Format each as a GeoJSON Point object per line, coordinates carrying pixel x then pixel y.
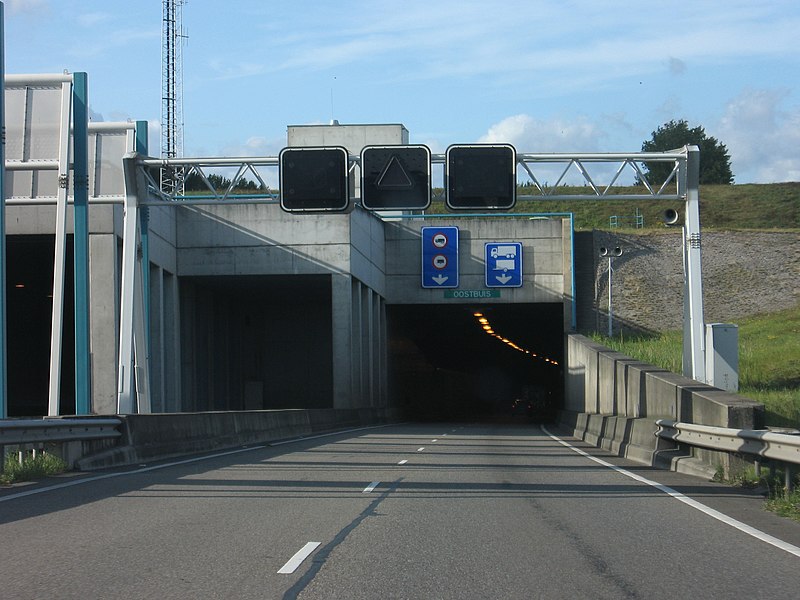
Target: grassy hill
{"type": "Point", "coordinates": [769, 360]}
{"type": "Point", "coordinates": [746, 206]}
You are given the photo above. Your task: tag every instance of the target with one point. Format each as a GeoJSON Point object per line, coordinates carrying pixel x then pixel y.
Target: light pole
{"type": "Point", "coordinates": [610, 254]}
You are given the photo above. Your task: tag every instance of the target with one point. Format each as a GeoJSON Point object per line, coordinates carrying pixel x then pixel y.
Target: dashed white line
{"type": "Point", "coordinates": [715, 514]}
{"type": "Point", "coordinates": [298, 558]}
{"type": "Point", "coordinates": [371, 487]}
{"type": "Point", "coordinates": [434, 441]}
{"type": "Point", "coordinates": [420, 449]}
{"type": "Point", "coordinates": [402, 462]}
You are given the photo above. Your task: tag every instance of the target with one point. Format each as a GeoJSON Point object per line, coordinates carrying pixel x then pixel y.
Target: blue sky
{"type": "Point", "coordinates": [546, 76]}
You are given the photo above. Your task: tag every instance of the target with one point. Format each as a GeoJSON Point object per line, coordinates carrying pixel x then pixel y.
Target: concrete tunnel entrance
{"type": "Point", "coordinates": [29, 283]}
{"type": "Point", "coordinates": [446, 365]}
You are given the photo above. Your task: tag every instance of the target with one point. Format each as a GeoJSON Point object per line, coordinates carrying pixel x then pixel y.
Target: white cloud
{"type": "Point", "coordinates": [26, 6]}
{"type": "Point", "coordinates": [225, 70]}
{"type": "Point", "coordinates": [762, 137]}
{"type": "Point", "coordinates": [93, 19]}
{"type": "Point", "coordinates": [558, 135]}
{"type": "Point", "coordinates": [676, 66]}
{"type": "Point", "coordinates": [563, 136]}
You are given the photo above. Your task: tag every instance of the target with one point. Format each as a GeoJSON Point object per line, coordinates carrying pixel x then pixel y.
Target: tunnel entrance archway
{"type": "Point", "coordinates": [29, 281]}
{"type": "Point", "coordinates": [444, 364]}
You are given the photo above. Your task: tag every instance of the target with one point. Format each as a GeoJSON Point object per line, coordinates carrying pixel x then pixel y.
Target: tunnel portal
{"type": "Point", "coordinates": [482, 362]}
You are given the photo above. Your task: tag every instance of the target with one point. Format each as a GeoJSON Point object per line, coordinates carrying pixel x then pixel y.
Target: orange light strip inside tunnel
{"type": "Point", "coordinates": [487, 327]}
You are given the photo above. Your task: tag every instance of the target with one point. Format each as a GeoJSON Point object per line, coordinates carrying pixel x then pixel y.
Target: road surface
{"type": "Point", "coordinates": [406, 511]}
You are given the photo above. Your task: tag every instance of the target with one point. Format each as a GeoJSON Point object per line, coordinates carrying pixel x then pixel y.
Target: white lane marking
{"type": "Point", "coordinates": [714, 514]}
{"type": "Point", "coordinates": [434, 441]}
{"type": "Point", "coordinates": [59, 486]}
{"type": "Point", "coordinates": [402, 462]}
{"type": "Point", "coordinates": [299, 557]}
{"type": "Point", "coordinates": [371, 487]}
{"type": "Point", "coordinates": [420, 449]}
{"type": "Point", "coordinates": [322, 435]}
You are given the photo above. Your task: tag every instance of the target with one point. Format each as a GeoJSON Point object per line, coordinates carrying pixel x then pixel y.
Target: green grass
{"type": "Point", "coordinates": [769, 360]}
{"type": "Point", "coordinates": [42, 465]}
{"type": "Point", "coordinates": [748, 206]}
{"type": "Point", "coordinates": [785, 504]}
{"type": "Point", "coordinates": [779, 500]}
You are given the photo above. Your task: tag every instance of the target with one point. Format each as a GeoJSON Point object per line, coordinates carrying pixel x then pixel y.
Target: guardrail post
{"type": "Point", "coordinates": [788, 477]}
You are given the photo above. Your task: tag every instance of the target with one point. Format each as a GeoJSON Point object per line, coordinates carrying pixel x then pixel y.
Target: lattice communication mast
{"type": "Point", "coordinates": [172, 37]}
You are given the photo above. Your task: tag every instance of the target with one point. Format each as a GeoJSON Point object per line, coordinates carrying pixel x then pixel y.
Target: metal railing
{"type": "Point", "coordinates": [781, 447]}
{"type": "Point", "coordinates": [22, 432]}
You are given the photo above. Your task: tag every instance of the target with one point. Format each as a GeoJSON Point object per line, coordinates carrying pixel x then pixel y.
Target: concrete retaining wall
{"type": "Point", "coordinates": [156, 437]}
{"type": "Point", "coordinates": [613, 401]}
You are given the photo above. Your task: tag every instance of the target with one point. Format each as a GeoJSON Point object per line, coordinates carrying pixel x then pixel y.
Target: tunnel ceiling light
{"type": "Point", "coordinates": [486, 326]}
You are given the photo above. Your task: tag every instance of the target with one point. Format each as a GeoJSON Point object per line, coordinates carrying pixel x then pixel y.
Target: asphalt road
{"type": "Point", "coordinates": [412, 511]}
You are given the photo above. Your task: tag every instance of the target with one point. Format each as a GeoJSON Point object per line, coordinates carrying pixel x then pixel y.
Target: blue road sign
{"type": "Point", "coordinates": [440, 257]}
{"type": "Point", "coordinates": [503, 264]}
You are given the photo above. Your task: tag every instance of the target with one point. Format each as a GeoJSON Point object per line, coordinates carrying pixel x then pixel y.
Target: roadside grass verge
{"type": "Point", "coordinates": [780, 501]}
{"type": "Point", "coordinates": [774, 206]}
{"type": "Point", "coordinates": [785, 504]}
{"type": "Point", "coordinates": [769, 360]}
{"type": "Point", "coordinates": [42, 464]}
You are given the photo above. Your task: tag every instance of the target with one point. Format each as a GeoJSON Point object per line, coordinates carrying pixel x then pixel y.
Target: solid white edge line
{"type": "Point", "coordinates": [715, 514]}
{"type": "Point", "coordinates": [176, 463]}
{"type": "Point", "coordinates": [67, 484]}
{"type": "Point", "coordinates": [371, 487]}
{"type": "Point", "coordinates": [298, 558]}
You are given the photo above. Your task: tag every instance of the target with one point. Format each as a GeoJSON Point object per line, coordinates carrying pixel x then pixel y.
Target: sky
{"type": "Point", "coordinates": [546, 76]}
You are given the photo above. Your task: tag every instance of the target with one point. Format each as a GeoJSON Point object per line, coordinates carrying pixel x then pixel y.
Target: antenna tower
{"type": "Point", "coordinates": [172, 37]}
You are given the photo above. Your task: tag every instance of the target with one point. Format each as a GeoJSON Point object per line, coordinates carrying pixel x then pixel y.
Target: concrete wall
{"type": "Point", "coordinates": [249, 242]}
{"type": "Point", "coordinates": [351, 137]}
{"type": "Point", "coordinates": [157, 437]}
{"type": "Point", "coordinates": [609, 396]}
{"type": "Point", "coordinates": [546, 272]}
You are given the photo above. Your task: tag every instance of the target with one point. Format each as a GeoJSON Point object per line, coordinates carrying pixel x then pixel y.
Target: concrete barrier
{"type": "Point", "coordinates": [612, 401]}
{"type": "Point", "coordinates": [150, 437]}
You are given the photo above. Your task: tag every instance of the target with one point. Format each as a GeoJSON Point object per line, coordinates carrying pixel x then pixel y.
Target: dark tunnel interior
{"type": "Point", "coordinates": [29, 285]}
{"type": "Point", "coordinates": [472, 363]}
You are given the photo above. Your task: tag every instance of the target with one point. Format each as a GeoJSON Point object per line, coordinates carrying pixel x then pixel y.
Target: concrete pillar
{"type": "Point", "coordinates": [156, 333]}
{"type": "Point", "coordinates": [366, 365]}
{"type": "Point", "coordinates": [104, 321]}
{"type": "Point", "coordinates": [377, 351]}
{"type": "Point", "coordinates": [567, 266]}
{"type": "Point", "coordinates": [342, 334]}
{"type": "Point", "coordinates": [383, 355]}
{"type": "Point", "coordinates": [172, 345]}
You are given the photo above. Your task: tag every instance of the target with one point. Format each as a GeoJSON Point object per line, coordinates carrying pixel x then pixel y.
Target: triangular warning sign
{"type": "Point", "coordinates": [394, 176]}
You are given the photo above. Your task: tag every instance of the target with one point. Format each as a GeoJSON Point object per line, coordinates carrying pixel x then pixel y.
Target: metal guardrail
{"type": "Point", "coordinates": [781, 447]}
{"type": "Point", "coordinates": [35, 431]}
